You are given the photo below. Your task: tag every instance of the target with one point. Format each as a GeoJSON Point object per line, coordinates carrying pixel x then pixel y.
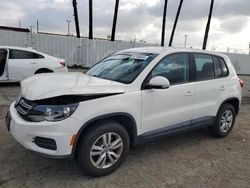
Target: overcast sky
{"type": "Point", "coordinates": [140, 19]}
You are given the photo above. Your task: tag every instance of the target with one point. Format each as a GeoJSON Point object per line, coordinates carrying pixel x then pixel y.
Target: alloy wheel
{"type": "Point", "coordinates": [226, 121]}
{"type": "Point", "coordinates": [106, 150]}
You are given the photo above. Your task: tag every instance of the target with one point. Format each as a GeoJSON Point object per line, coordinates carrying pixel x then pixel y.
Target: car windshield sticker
{"type": "Point", "coordinates": [140, 57]}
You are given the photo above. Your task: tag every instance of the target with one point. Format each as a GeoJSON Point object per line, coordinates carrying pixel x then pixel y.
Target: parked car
{"type": "Point", "coordinates": [17, 63]}
{"type": "Point", "coordinates": [128, 98]}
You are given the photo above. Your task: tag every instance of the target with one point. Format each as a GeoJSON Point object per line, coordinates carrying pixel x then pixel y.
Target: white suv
{"type": "Point", "coordinates": [130, 97]}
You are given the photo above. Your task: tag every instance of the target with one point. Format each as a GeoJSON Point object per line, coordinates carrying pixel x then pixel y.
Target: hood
{"type": "Point", "coordinates": [49, 85]}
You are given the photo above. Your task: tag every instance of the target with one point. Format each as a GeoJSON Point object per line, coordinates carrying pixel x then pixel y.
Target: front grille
{"type": "Point", "coordinates": [23, 106]}
{"type": "Point", "coordinates": [46, 143]}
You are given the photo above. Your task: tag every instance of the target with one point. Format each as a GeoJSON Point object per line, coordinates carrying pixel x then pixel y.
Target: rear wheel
{"type": "Point", "coordinates": [103, 148]}
{"type": "Point", "coordinates": [224, 121]}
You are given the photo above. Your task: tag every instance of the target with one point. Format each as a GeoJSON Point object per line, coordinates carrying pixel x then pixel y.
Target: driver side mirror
{"type": "Point", "coordinates": [158, 82]}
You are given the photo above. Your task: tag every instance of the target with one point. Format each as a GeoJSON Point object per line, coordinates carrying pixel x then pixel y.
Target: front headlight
{"type": "Point", "coordinates": [52, 112]}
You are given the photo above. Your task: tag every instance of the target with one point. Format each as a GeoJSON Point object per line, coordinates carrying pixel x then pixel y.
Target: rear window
{"type": "Point", "coordinates": [21, 54]}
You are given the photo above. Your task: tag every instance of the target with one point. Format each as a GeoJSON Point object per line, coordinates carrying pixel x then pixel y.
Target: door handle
{"type": "Point", "coordinates": [33, 63]}
{"type": "Point", "coordinates": [189, 93]}
{"type": "Point", "coordinates": [222, 88]}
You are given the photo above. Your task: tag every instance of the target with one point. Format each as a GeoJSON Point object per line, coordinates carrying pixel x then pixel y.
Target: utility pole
{"type": "Point", "coordinates": [185, 44]}
{"type": "Point", "coordinates": [90, 19]}
{"type": "Point", "coordinates": [208, 25]}
{"type": "Point", "coordinates": [114, 20]}
{"type": "Point", "coordinates": [19, 23]}
{"type": "Point", "coordinates": [37, 26]}
{"type": "Point", "coordinates": [68, 21]}
{"type": "Point", "coordinates": [164, 23]}
{"type": "Point", "coordinates": [76, 18]}
{"type": "Point", "coordinates": [175, 23]}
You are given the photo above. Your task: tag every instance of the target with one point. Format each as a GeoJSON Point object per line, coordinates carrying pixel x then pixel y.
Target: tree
{"type": "Point", "coordinates": [164, 23]}
{"type": "Point", "coordinates": [76, 18]}
{"type": "Point", "coordinates": [114, 20]}
{"type": "Point", "coordinates": [175, 23]}
{"type": "Point", "coordinates": [208, 25]}
{"type": "Point", "coordinates": [90, 19]}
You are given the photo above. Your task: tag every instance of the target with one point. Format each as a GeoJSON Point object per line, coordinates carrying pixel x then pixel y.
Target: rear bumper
{"type": "Point", "coordinates": [26, 132]}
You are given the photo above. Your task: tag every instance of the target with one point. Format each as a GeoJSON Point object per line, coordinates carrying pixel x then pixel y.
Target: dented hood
{"type": "Point", "coordinates": [49, 85]}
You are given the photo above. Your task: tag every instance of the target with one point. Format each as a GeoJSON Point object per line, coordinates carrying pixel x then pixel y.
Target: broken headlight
{"type": "Point", "coordinates": [52, 112]}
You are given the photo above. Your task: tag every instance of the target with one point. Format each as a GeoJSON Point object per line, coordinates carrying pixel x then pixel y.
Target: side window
{"type": "Point", "coordinates": [218, 69]}
{"type": "Point", "coordinates": [173, 67]}
{"type": "Point", "coordinates": [204, 67]}
{"type": "Point", "coordinates": [224, 67]}
{"type": "Point", "coordinates": [21, 54]}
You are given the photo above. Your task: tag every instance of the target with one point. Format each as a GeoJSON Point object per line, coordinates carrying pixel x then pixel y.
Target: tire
{"type": "Point", "coordinates": [223, 125]}
{"type": "Point", "coordinates": [94, 138]}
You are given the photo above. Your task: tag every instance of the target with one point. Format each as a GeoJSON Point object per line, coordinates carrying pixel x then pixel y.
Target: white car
{"type": "Point", "coordinates": [128, 98]}
{"type": "Point", "coordinates": [17, 63]}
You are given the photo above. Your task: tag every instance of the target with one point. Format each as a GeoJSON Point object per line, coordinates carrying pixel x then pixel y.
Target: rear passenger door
{"type": "Point", "coordinates": [23, 63]}
{"type": "Point", "coordinates": [210, 73]}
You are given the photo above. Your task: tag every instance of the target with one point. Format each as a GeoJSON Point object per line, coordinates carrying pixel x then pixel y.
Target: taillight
{"type": "Point", "coordinates": [241, 83]}
{"type": "Point", "coordinates": [62, 63]}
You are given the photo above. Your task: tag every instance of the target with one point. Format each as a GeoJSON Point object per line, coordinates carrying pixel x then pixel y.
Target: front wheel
{"type": "Point", "coordinates": [103, 148]}
{"type": "Point", "coordinates": [224, 121]}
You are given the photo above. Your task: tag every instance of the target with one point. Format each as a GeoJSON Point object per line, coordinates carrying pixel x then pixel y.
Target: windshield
{"type": "Point", "coordinates": [123, 67]}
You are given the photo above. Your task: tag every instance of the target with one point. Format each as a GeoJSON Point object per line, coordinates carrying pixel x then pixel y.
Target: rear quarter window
{"type": "Point", "coordinates": [218, 68]}
{"type": "Point", "coordinates": [224, 67]}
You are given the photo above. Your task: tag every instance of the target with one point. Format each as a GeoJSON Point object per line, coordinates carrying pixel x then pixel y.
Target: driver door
{"type": "Point", "coordinates": [170, 108]}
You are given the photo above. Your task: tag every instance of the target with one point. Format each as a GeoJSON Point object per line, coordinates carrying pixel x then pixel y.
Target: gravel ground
{"type": "Point", "coordinates": [191, 159]}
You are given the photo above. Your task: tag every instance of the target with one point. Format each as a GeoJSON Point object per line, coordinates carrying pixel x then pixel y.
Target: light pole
{"type": "Point", "coordinates": [68, 21]}
{"type": "Point", "coordinates": [185, 44]}
{"type": "Point", "coordinates": [213, 48]}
